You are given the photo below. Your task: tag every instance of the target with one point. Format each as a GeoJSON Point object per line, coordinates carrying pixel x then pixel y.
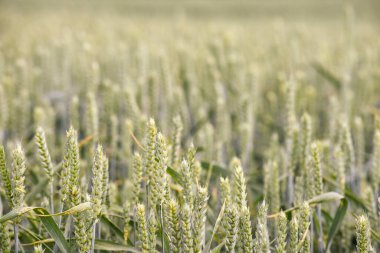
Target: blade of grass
{"type": "Point", "coordinates": [108, 223]}
{"type": "Point", "coordinates": [47, 220]}
{"type": "Point", "coordinates": [216, 226]}
{"type": "Point", "coordinates": [217, 170]}
{"type": "Point", "coordinates": [53, 230]}
{"type": "Point", "coordinates": [218, 248]}
{"type": "Point", "coordinates": [337, 221]}
{"type": "Point", "coordinates": [99, 245]}
{"type": "Point", "coordinates": [76, 209]}
{"type": "Point", "coordinates": [325, 73]}
{"type": "Point", "coordinates": [112, 246]}
{"type": "Point", "coordinates": [324, 197]}
{"type": "Point", "coordinates": [174, 175]}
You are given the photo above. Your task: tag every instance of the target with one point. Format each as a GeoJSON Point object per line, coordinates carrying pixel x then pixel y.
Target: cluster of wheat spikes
{"type": "Point", "coordinates": [118, 135]}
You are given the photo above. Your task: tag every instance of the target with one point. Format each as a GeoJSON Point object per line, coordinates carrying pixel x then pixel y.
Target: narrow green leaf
{"type": "Point", "coordinates": [99, 245]}
{"type": "Point", "coordinates": [218, 247]}
{"type": "Point", "coordinates": [31, 236]}
{"type": "Point", "coordinates": [325, 73]}
{"type": "Point", "coordinates": [38, 242]}
{"type": "Point", "coordinates": [303, 238]}
{"type": "Point", "coordinates": [112, 246]}
{"type": "Point", "coordinates": [327, 217]}
{"type": "Point", "coordinates": [355, 199]}
{"type": "Point", "coordinates": [316, 222]}
{"type": "Point", "coordinates": [14, 213]}
{"type": "Point", "coordinates": [216, 226]}
{"type": "Point", "coordinates": [217, 170]}
{"type": "Point", "coordinates": [53, 230]}
{"type": "Point", "coordinates": [375, 235]}
{"type": "Point", "coordinates": [337, 221]}
{"type": "Point", "coordinates": [76, 209]}
{"type": "Point", "coordinates": [325, 197]}
{"type": "Point", "coordinates": [174, 174]}
{"type": "Point", "coordinates": [348, 194]}
{"type": "Point", "coordinates": [47, 220]}
{"type": "Point", "coordinates": [108, 223]}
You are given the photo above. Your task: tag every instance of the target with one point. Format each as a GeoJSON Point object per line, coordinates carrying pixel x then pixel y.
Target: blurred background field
{"type": "Point", "coordinates": [307, 12]}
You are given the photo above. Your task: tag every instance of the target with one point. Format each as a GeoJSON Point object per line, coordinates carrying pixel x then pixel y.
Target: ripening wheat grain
{"type": "Point", "coordinates": [123, 128]}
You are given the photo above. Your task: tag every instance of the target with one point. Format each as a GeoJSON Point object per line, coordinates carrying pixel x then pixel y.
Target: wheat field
{"type": "Point", "coordinates": [194, 127]}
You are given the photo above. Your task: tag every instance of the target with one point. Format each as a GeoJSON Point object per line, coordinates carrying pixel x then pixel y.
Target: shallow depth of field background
{"type": "Point", "coordinates": [243, 77]}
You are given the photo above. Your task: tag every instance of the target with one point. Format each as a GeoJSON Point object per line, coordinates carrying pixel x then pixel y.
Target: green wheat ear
{"type": "Point", "coordinates": [5, 242]}
{"type": "Point", "coordinates": [363, 235]}
{"type": "Point", "coordinates": [18, 178]}
{"type": "Point", "coordinates": [188, 195]}
{"type": "Point", "coordinates": [239, 189]}
{"type": "Point", "coordinates": [43, 151]}
{"type": "Point", "coordinates": [137, 176]}
{"type": "Point", "coordinates": [127, 218]}
{"type": "Point", "coordinates": [159, 181]}
{"type": "Point", "coordinates": [173, 226]}
{"type": "Point", "coordinates": [225, 190]}
{"type": "Point", "coordinates": [272, 186]}
{"type": "Point", "coordinates": [105, 181]}
{"type": "Point", "coordinates": [304, 230]}
{"type": "Point", "coordinates": [82, 231]}
{"type": "Point", "coordinates": [231, 227]}
{"type": "Point", "coordinates": [245, 233]}
{"type": "Point", "coordinates": [142, 229]}
{"type": "Point", "coordinates": [176, 141]}
{"type": "Point", "coordinates": [152, 230]}
{"type": "Point", "coordinates": [38, 249]}
{"type": "Point", "coordinates": [186, 229]}
{"type": "Point", "coordinates": [261, 243]}
{"type": "Point", "coordinates": [199, 219]}
{"type": "Point", "coordinates": [293, 234]}
{"type": "Point", "coordinates": [316, 169]}
{"type": "Point", "coordinates": [191, 152]}
{"type": "Point", "coordinates": [97, 182]}
{"type": "Point", "coordinates": [282, 224]}
{"type": "Point", "coordinates": [46, 162]}
{"type": "Point", "coordinates": [6, 177]}
{"type": "Point", "coordinates": [150, 156]}
{"type": "Point", "coordinates": [73, 166]}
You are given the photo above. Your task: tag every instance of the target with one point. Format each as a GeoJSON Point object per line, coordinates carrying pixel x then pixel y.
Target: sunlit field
{"type": "Point", "coordinates": [192, 127]}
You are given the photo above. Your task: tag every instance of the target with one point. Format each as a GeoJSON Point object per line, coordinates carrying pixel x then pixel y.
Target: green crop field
{"type": "Point", "coordinates": [189, 126]}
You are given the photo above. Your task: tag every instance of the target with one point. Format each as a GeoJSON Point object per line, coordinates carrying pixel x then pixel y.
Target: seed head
{"type": "Point", "coordinates": [239, 185]}
{"type": "Point", "coordinates": [142, 230]}
{"type": "Point", "coordinates": [261, 243]}
{"type": "Point", "coordinates": [45, 158]}
{"type": "Point", "coordinates": [5, 177]}
{"type": "Point", "coordinates": [199, 222]}
{"type": "Point", "coordinates": [97, 181]}
{"type": "Point", "coordinates": [363, 235]}
{"type": "Point", "coordinates": [18, 178]}
{"type": "Point", "coordinates": [186, 230]}
{"type": "Point", "coordinates": [282, 224]}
